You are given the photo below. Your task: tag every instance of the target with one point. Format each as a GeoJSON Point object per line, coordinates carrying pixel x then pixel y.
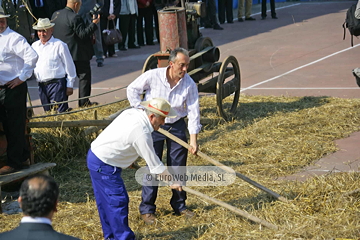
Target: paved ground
{"type": "Point", "coordinates": [300, 54]}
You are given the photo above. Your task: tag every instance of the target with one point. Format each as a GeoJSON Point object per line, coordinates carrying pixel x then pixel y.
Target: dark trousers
{"type": "Point", "coordinates": [83, 72]}
{"type": "Point", "coordinates": [108, 50]}
{"type": "Point", "coordinates": [272, 7]}
{"type": "Point", "coordinates": [111, 197]}
{"type": "Point", "coordinates": [210, 19]}
{"type": "Point", "coordinates": [13, 117]}
{"type": "Point", "coordinates": [225, 7]}
{"type": "Point", "coordinates": [127, 28]}
{"type": "Point", "coordinates": [156, 22]}
{"type": "Point", "coordinates": [176, 156]}
{"type": "Point", "coordinates": [145, 14]}
{"type": "Point", "coordinates": [54, 92]}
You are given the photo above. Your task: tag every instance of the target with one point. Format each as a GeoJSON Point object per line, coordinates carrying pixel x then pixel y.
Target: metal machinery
{"type": "Point", "coordinates": [179, 27]}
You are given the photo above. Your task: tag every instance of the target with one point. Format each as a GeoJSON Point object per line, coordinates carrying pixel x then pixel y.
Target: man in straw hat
{"type": "Point", "coordinates": [117, 147]}
{"type": "Point", "coordinates": [55, 70]}
{"type": "Point", "coordinates": [38, 200]}
{"type": "Point", "coordinates": [174, 84]}
{"type": "Point", "coordinates": [17, 61]}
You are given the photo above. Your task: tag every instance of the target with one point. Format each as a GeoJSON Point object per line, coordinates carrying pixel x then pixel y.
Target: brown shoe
{"type": "Point", "coordinates": [149, 218]}
{"type": "Point", "coordinates": [6, 170]}
{"type": "Point", "coordinates": [187, 213]}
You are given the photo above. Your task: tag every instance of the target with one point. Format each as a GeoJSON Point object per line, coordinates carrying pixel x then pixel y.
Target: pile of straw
{"type": "Point", "coordinates": [268, 138]}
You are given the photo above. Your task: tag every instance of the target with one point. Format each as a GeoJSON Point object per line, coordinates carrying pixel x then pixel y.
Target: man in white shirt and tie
{"type": "Point", "coordinates": [17, 61]}
{"type": "Point", "coordinates": [55, 70]}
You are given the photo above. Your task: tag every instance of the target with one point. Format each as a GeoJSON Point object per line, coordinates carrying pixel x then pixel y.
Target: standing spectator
{"type": "Point", "coordinates": [55, 69]}
{"type": "Point", "coordinates": [146, 15]}
{"type": "Point", "coordinates": [117, 147]}
{"type": "Point", "coordinates": [128, 14]}
{"type": "Point", "coordinates": [156, 21]}
{"type": "Point", "coordinates": [21, 20]}
{"type": "Point", "coordinates": [71, 29]}
{"type": "Point", "coordinates": [38, 200]}
{"type": "Point", "coordinates": [84, 12]}
{"type": "Point", "coordinates": [225, 7]}
{"type": "Point", "coordinates": [174, 84]}
{"type": "Point", "coordinates": [210, 20]}
{"type": "Point", "coordinates": [263, 9]}
{"type": "Point", "coordinates": [17, 61]}
{"type": "Point", "coordinates": [109, 16]}
{"type": "Point", "coordinates": [248, 6]}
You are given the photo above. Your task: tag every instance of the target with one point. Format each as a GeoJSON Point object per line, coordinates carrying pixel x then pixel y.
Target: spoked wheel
{"type": "Point", "coordinates": [150, 63]}
{"type": "Point", "coordinates": [228, 83]}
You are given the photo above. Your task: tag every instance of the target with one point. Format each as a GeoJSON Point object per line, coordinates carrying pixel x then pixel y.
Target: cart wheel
{"type": "Point", "coordinates": [150, 63]}
{"type": "Point", "coordinates": [228, 83]}
{"type": "Point", "coordinates": [200, 44]}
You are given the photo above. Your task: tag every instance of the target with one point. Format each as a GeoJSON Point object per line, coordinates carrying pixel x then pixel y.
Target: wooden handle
{"type": "Point", "coordinates": [231, 208]}
{"type": "Point", "coordinates": [222, 166]}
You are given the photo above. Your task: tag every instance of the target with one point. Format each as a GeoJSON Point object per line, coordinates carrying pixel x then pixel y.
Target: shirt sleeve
{"type": "Point", "coordinates": [144, 147]}
{"type": "Point", "coordinates": [68, 65]}
{"type": "Point", "coordinates": [136, 88]}
{"type": "Point", "coordinates": [193, 108]}
{"type": "Point", "coordinates": [28, 54]}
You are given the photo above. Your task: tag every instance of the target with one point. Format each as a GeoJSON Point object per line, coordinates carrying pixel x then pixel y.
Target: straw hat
{"type": "Point", "coordinates": [43, 24]}
{"type": "Point", "coordinates": [159, 106]}
{"type": "Point", "coordinates": [2, 13]}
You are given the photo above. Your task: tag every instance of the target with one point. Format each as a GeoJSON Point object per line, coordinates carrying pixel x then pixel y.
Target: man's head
{"type": "Point", "coordinates": [74, 5]}
{"type": "Point", "coordinates": [179, 62]}
{"type": "Point", "coordinates": [157, 110]}
{"type": "Point", "coordinates": [44, 29]}
{"type": "Point", "coordinates": [3, 20]}
{"type": "Point", "coordinates": [39, 196]}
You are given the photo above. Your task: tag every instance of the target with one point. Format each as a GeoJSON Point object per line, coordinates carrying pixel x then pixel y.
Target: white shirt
{"type": "Point", "coordinates": [183, 98]}
{"type": "Point", "coordinates": [55, 61]}
{"type": "Point", "coordinates": [17, 58]}
{"type": "Point", "coordinates": [127, 138]}
{"type": "Point", "coordinates": [28, 219]}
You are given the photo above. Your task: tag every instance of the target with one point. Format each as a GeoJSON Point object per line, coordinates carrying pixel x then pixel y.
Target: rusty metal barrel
{"type": "Point", "coordinates": [172, 28]}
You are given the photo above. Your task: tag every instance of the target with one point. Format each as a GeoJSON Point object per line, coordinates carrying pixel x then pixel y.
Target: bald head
{"type": "Point", "coordinates": [38, 196]}
{"type": "Point", "coordinates": [74, 5]}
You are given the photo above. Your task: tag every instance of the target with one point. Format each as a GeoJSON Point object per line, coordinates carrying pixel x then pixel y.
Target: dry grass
{"type": "Point", "coordinates": [268, 138]}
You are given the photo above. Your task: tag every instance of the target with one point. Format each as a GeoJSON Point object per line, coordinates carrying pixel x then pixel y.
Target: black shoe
{"type": "Point", "coordinates": [263, 18]}
{"type": "Point", "coordinates": [134, 46]}
{"type": "Point", "coordinates": [123, 49]}
{"type": "Point", "coordinates": [217, 27]}
{"type": "Point", "coordinates": [222, 22]}
{"type": "Point", "coordinates": [100, 64]}
{"type": "Point", "coordinates": [240, 20]}
{"type": "Point", "coordinates": [231, 22]}
{"type": "Point", "coordinates": [151, 43]}
{"type": "Point", "coordinates": [250, 19]}
{"type": "Point", "coordinates": [275, 17]}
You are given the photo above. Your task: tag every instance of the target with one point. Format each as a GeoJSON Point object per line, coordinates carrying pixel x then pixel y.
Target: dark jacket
{"type": "Point", "coordinates": [105, 9]}
{"type": "Point", "coordinates": [71, 29]}
{"type": "Point", "coordinates": [20, 20]}
{"type": "Point", "coordinates": [35, 231]}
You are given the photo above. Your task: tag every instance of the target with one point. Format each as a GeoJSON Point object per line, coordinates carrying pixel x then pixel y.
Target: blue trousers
{"type": "Point", "coordinates": [54, 92]}
{"type": "Point", "coordinates": [176, 156]}
{"type": "Point", "coordinates": [112, 199]}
